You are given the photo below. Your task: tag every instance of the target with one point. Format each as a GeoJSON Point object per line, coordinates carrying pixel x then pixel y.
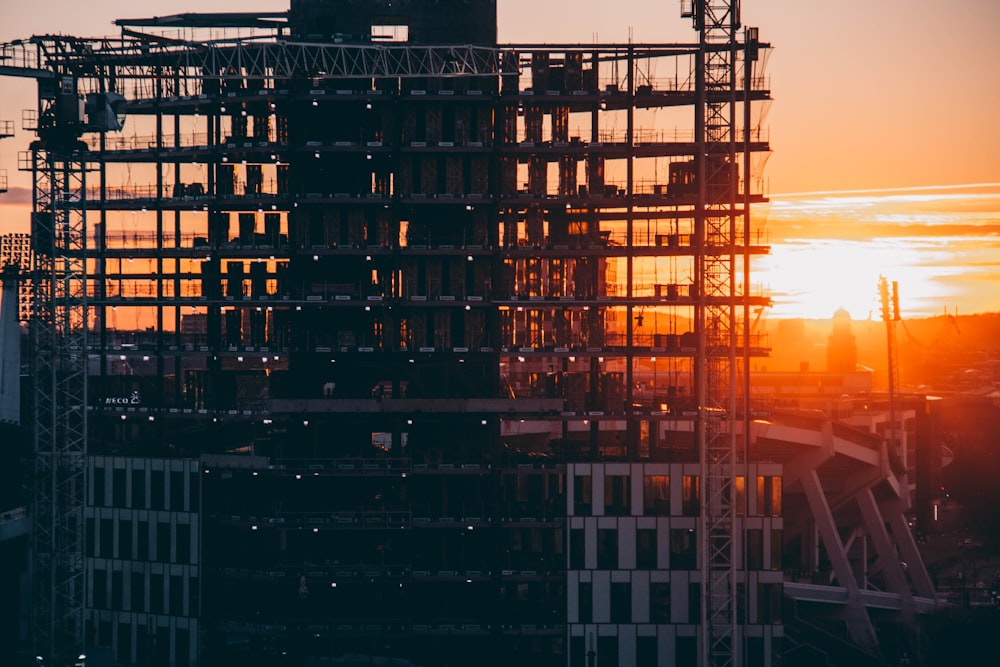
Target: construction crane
{"type": "Point", "coordinates": [720, 313]}
{"type": "Point", "coordinates": [58, 333]}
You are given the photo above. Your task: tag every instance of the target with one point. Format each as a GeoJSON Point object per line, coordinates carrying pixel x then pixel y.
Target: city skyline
{"type": "Point", "coordinates": [892, 100]}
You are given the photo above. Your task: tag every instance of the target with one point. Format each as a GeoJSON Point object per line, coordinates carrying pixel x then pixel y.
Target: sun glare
{"type": "Point", "coordinates": [813, 278]}
{"type": "Point", "coordinates": [829, 250]}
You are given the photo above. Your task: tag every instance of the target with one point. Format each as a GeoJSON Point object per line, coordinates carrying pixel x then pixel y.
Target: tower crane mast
{"type": "Point", "coordinates": [720, 318]}
{"type": "Point", "coordinates": [58, 332]}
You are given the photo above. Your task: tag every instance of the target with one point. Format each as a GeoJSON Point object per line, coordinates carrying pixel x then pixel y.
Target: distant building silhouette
{"type": "Point", "coordinates": [842, 349]}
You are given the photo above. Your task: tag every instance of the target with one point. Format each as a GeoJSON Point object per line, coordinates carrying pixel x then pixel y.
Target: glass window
{"type": "Point", "coordinates": [775, 496]}
{"type": "Point", "coordinates": [182, 648]}
{"type": "Point", "coordinates": [177, 491]}
{"type": "Point", "coordinates": [176, 595]}
{"type": "Point", "coordinates": [194, 597]}
{"type": "Point", "coordinates": [755, 549]}
{"type": "Point", "coordinates": [124, 538]}
{"type": "Point", "coordinates": [607, 651]}
{"type": "Point", "coordinates": [157, 489]}
{"type": "Point", "coordinates": [616, 495]}
{"type": "Point", "coordinates": [607, 549]}
{"type": "Point", "coordinates": [656, 495]}
{"type": "Point", "coordinates": [741, 496]}
{"type": "Point", "coordinates": [755, 652]}
{"type": "Point", "coordinates": [124, 642]}
{"type": "Point", "coordinates": [100, 598]}
{"type": "Point", "coordinates": [90, 537]}
{"type": "Point", "coordinates": [687, 651]}
{"type": "Point", "coordinates": [577, 652]}
{"type": "Point", "coordinates": [690, 495]}
{"type": "Point", "coordinates": [645, 549]}
{"type": "Point", "coordinates": [645, 652]}
{"type": "Point", "coordinates": [137, 592]}
{"type": "Point", "coordinates": [193, 486]}
{"type": "Point", "coordinates": [683, 550]}
{"type": "Point", "coordinates": [582, 495]}
{"type": "Point", "coordinates": [659, 602]}
{"type": "Point", "coordinates": [142, 541]}
{"type": "Point", "coordinates": [98, 483]}
{"type": "Point", "coordinates": [586, 602]}
{"type": "Point", "coordinates": [139, 489]}
{"type": "Point", "coordinates": [768, 603]}
{"type": "Point", "coordinates": [156, 594]}
{"type": "Point", "coordinates": [183, 543]}
{"type": "Point", "coordinates": [163, 542]}
{"type": "Point", "coordinates": [769, 495]}
{"type": "Point", "coordinates": [107, 539]}
{"type": "Point", "coordinates": [118, 490]}
{"type": "Point", "coordinates": [621, 602]}
{"type": "Point", "coordinates": [577, 557]}
{"type": "Point", "coordinates": [117, 602]}
{"type": "Point", "coordinates": [694, 603]}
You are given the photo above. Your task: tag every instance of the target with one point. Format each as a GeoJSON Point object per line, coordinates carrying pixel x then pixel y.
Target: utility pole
{"type": "Point", "coordinates": [890, 315]}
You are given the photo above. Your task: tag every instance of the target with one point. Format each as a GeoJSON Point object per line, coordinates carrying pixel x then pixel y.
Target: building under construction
{"type": "Point", "coordinates": [355, 333]}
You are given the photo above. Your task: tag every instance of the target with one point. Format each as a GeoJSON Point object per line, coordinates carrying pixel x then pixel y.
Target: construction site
{"type": "Point", "coordinates": [355, 337]}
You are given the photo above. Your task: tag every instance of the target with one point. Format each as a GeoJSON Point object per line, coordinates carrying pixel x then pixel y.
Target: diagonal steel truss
{"type": "Point", "coordinates": [134, 58]}
{"type": "Point", "coordinates": [58, 331]}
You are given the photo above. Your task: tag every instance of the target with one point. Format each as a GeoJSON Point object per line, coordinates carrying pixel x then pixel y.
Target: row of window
{"type": "Point", "coordinates": [144, 592]}
{"type": "Point", "coordinates": [162, 542]}
{"type": "Point", "coordinates": [142, 489]}
{"type": "Point", "coordinates": [150, 645]}
{"type": "Point", "coordinates": [656, 495]}
{"type": "Point", "coordinates": [766, 611]}
{"type": "Point", "coordinates": [683, 547]}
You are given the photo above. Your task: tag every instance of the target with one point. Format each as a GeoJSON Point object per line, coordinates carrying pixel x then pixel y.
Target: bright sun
{"type": "Point", "coordinates": [812, 278]}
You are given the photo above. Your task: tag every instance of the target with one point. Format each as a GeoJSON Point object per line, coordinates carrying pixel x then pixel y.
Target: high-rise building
{"type": "Point", "coordinates": [398, 343]}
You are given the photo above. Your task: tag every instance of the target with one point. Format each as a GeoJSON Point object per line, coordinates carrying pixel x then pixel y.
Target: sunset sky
{"type": "Point", "coordinates": [884, 127]}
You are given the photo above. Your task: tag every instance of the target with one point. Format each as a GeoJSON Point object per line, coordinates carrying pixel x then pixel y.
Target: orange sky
{"type": "Point", "coordinates": [868, 95]}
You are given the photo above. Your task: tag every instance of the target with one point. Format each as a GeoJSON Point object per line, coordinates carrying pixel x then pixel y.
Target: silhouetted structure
{"type": "Point", "coordinates": [841, 348]}
{"type": "Point", "coordinates": [369, 333]}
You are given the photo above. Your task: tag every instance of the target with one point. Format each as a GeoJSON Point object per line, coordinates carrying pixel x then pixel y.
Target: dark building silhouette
{"type": "Point", "coordinates": [841, 349]}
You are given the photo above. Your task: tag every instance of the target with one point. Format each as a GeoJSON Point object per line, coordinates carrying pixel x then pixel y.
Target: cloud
{"type": "Point", "coordinates": [16, 195]}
